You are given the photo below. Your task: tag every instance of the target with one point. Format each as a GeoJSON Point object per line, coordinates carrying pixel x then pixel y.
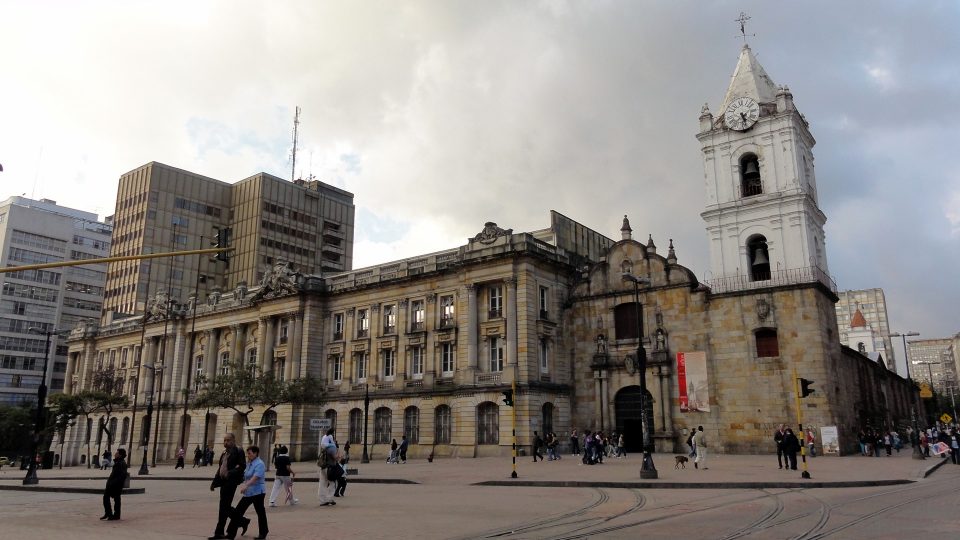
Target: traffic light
{"type": "Point", "coordinates": [806, 388]}
{"type": "Point", "coordinates": [508, 398]}
{"type": "Point", "coordinates": [222, 240]}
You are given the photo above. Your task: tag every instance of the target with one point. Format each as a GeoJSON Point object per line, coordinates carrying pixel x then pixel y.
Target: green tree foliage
{"type": "Point", "coordinates": [243, 388]}
{"type": "Point", "coordinates": [16, 428]}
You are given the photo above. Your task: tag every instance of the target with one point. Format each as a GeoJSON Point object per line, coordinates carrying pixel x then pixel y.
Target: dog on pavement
{"type": "Point", "coordinates": [681, 462]}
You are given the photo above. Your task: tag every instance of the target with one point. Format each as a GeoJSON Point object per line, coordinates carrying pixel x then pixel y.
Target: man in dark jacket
{"type": "Point", "coordinates": [537, 445]}
{"type": "Point", "coordinates": [778, 440]}
{"type": "Point", "coordinates": [229, 475]}
{"type": "Point", "coordinates": [118, 475]}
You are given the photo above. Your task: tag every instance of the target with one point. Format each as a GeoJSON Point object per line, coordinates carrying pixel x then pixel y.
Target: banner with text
{"type": "Point", "coordinates": [692, 381]}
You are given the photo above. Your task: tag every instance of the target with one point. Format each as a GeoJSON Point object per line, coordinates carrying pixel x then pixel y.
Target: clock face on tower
{"type": "Point", "coordinates": [742, 114]}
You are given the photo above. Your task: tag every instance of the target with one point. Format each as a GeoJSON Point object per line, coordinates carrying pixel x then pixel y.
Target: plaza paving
{"type": "Point", "coordinates": [442, 502]}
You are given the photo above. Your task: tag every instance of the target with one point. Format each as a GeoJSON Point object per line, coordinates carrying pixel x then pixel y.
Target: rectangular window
{"type": "Point", "coordinates": [389, 364]}
{"type": "Point", "coordinates": [496, 301]}
{"type": "Point", "coordinates": [198, 369]}
{"type": "Point", "coordinates": [363, 323]}
{"type": "Point", "coordinates": [390, 319]}
{"type": "Point", "coordinates": [252, 360]}
{"type": "Point", "coordinates": [496, 354]}
{"type": "Point", "coordinates": [544, 304]}
{"type": "Point", "coordinates": [337, 326]}
{"type": "Point", "coordinates": [447, 359]}
{"type": "Point", "coordinates": [417, 316]}
{"type": "Point", "coordinates": [544, 356]}
{"type": "Point", "coordinates": [362, 360]}
{"type": "Point", "coordinates": [225, 363]}
{"type": "Point", "coordinates": [338, 368]}
{"type": "Point", "coordinates": [417, 362]}
{"type": "Point", "coordinates": [447, 312]}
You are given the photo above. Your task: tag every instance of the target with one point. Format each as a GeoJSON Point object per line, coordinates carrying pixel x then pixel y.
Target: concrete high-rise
{"type": "Point", "coordinates": [36, 232]}
{"type": "Point", "coordinates": [162, 208]}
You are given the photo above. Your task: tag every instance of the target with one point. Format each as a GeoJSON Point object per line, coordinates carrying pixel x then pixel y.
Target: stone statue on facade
{"type": "Point", "coordinates": [490, 233]}
{"type": "Point", "coordinates": [280, 280]}
{"type": "Point", "coordinates": [158, 307]}
{"type": "Point", "coordinates": [661, 340]}
{"type": "Point", "coordinates": [601, 344]}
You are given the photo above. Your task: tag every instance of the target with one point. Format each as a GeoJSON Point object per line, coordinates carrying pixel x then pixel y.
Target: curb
{"type": "Point", "coordinates": [55, 489]}
{"type": "Point", "coordinates": [933, 468]}
{"type": "Point", "coordinates": [695, 485]}
{"type": "Point", "coordinates": [352, 479]}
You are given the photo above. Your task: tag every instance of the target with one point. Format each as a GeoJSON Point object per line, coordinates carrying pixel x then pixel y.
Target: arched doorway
{"type": "Point", "coordinates": [629, 416]}
{"type": "Point", "coordinates": [210, 430]}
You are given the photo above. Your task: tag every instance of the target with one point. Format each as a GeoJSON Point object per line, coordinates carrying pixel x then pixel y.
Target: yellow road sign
{"type": "Point", "coordinates": [946, 418]}
{"type": "Point", "coordinates": [925, 391]}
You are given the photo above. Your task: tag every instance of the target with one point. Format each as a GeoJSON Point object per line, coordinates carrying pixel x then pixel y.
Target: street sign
{"type": "Point", "coordinates": [925, 391]}
{"type": "Point", "coordinates": [946, 418]}
{"type": "Point", "coordinates": [320, 424]}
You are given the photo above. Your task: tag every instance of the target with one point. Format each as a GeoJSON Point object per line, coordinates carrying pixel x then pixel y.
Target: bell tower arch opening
{"type": "Point", "coordinates": [750, 181]}
{"type": "Point", "coordinates": [758, 257]}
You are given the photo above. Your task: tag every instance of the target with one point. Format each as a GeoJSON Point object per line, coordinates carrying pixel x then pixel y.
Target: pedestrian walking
{"type": "Point", "coordinates": [114, 487]}
{"type": "Point", "coordinates": [778, 440]}
{"type": "Point", "coordinates": [253, 489]}
{"type": "Point", "coordinates": [811, 443]}
{"type": "Point", "coordinates": [229, 475]}
{"type": "Point", "coordinates": [392, 458]}
{"type": "Point", "coordinates": [699, 439]}
{"type": "Point", "coordinates": [537, 445]}
{"type": "Point", "coordinates": [404, 444]}
{"type": "Point", "coordinates": [341, 488]}
{"type": "Point", "coordinates": [574, 443]}
{"type": "Point", "coordinates": [180, 455]}
{"type": "Point", "coordinates": [326, 487]}
{"type": "Point", "coordinates": [283, 481]}
{"type": "Point", "coordinates": [105, 461]}
{"type": "Point", "coordinates": [791, 445]}
{"type": "Point", "coordinates": [691, 444]}
{"type": "Point", "coordinates": [197, 457]}
{"type": "Point", "coordinates": [621, 448]}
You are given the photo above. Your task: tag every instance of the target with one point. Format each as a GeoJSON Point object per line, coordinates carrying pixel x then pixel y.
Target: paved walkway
{"type": "Point", "coordinates": [723, 471]}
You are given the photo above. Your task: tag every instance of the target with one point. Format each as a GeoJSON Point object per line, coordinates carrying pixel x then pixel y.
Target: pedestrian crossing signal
{"type": "Point", "coordinates": [806, 388]}
{"type": "Point", "coordinates": [508, 398]}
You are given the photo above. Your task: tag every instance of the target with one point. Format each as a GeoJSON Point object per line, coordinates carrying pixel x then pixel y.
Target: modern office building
{"type": "Point", "coordinates": [160, 208]}
{"type": "Point", "coordinates": [35, 302]}
{"type": "Point", "coordinates": [873, 308]}
{"type": "Point", "coordinates": [931, 360]}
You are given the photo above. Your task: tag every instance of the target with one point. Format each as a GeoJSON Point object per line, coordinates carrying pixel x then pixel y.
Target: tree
{"type": "Point", "coordinates": [16, 428]}
{"type": "Point", "coordinates": [107, 387]}
{"type": "Point", "coordinates": [64, 409]}
{"type": "Point", "coordinates": [242, 388]}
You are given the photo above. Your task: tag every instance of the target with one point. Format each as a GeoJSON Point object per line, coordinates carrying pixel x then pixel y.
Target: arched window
{"type": "Point", "coordinates": [488, 423]}
{"type": "Point", "coordinates": [759, 258]}
{"type": "Point", "coordinates": [411, 424]}
{"type": "Point", "coordinates": [547, 411]}
{"type": "Point", "coordinates": [331, 415]}
{"type": "Point", "coordinates": [625, 321]}
{"type": "Point", "coordinates": [750, 183]}
{"type": "Point", "coordinates": [356, 427]}
{"type": "Point", "coordinates": [767, 343]}
{"type": "Point", "coordinates": [382, 425]}
{"type": "Point", "coordinates": [441, 425]}
{"type": "Point", "coordinates": [112, 436]}
{"type": "Point", "coordinates": [124, 431]}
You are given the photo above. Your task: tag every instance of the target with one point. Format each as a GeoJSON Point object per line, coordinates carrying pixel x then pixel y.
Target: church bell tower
{"type": "Point", "coordinates": [762, 219]}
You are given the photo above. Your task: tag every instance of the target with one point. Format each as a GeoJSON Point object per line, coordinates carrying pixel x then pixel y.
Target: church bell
{"type": "Point", "coordinates": [760, 257]}
{"type": "Point", "coordinates": [751, 171]}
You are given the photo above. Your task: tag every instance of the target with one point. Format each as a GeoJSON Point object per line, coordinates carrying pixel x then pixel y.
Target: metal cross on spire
{"type": "Point", "coordinates": [743, 27]}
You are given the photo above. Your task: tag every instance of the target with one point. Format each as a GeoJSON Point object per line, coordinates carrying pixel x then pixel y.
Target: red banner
{"type": "Point", "coordinates": [682, 381]}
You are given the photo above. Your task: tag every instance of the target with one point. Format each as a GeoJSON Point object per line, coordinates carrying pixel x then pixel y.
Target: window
{"type": "Point", "coordinates": [488, 423]}
{"type": "Point", "coordinates": [225, 363]}
{"type": "Point", "coordinates": [495, 301]}
{"type": "Point", "coordinates": [767, 344]}
{"type": "Point", "coordinates": [252, 360]}
{"type": "Point", "coordinates": [547, 414]}
{"type": "Point", "coordinates": [411, 424]}
{"type": "Point", "coordinates": [441, 425]}
{"type": "Point", "coordinates": [496, 354]}
{"type": "Point", "coordinates": [283, 333]}
{"type": "Point", "coordinates": [544, 304]}
{"type": "Point", "coordinates": [362, 360]}
{"type": "Point", "coordinates": [331, 415]}
{"type": "Point", "coordinates": [447, 312]}
{"type": "Point", "coordinates": [123, 358]}
{"type": "Point", "coordinates": [198, 367]}
{"type": "Point", "coordinates": [759, 258]}
{"type": "Point", "coordinates": [389, 357]}
{"type": "Point", "coordinates": [544, 356]}
{"type": "Point", "coordinates": [417, 316]}
{"type": "Point", "coordinates": [355, 436]}
{"type": "Point", "coordinates": [338, 368]}
{"type": "Point", "coordinates": [382, 428]}
{"type": "Point", "coordinates": [337, 326]}
{"type": "Point", "coordinates": [750, 183]}
{"type": "Point", "coordinates": [390, 319]}
{"type": "Point", "coordinates": [625, 320]}
{"type": "Point", "coordinates": [446, 359]}
{"type": "Point", "coordinates": [417, 362]}
{"type": "Point", "coordinates": [363, 323]}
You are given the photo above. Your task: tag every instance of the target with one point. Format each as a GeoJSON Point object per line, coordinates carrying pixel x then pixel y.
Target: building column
{"type": "Point", "coordinates": [598, 404]}
{"type": "Point", "coordinates": [89, 360]}
{"type": "Point", "coordinates": [294, 347]}
{"type": "Point", "coordinates": [265, 347]}
{"type": "Point", "coordinates": [68, 379]}
{"type": "Point", "coordinates": [210, 355]}
{"type": "Point", "coordinates": [236, 346]}
{"type": "Point", "coordinates": [472, 326]}
{"type": "Point", "coordinates": [402, 352]}
{"type": "Point", "coordinates": [512, 321]}
{"type": "Point", "coordinates": [145, 358]}
{"type": "Point", "coordinates": [181, 366]}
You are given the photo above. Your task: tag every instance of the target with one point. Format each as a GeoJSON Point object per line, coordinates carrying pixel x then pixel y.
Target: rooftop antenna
{"type": "Point", "coordinates": [743, 27]}
{"type": "Point", "coordinates": [296, 127]}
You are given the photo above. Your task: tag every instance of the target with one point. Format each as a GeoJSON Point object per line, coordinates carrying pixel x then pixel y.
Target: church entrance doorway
{"type": "Point", "coordinates": [630, 419]}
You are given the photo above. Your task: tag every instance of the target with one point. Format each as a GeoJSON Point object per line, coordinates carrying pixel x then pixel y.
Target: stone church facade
{"type": "Point", "coordinates": [433, 341]}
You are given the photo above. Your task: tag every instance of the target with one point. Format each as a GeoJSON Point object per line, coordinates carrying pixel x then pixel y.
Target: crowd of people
{"type": "Point", "coordinates": [873, 440]}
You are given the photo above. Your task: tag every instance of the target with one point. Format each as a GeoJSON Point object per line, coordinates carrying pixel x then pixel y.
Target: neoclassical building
{"type": "Point", "coordinates": [435, 340]}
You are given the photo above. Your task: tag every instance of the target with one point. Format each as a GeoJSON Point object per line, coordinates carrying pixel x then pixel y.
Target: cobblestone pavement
{"type": "Point", "coordinates": [446, 503]}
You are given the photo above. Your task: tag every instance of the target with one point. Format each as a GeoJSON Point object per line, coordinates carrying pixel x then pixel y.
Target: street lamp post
{"type": "Point", "coordinates": [38, 424]}
{"type": "Point", "coordinates": [915, 436]}
{"type": "Point", "coordinates": [647, 469]}
{"type": "Point", "coordinates": [365, 458]}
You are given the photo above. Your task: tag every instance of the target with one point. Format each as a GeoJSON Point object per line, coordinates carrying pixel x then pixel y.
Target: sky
{"type": "Point", "coordinates": [441, 115]}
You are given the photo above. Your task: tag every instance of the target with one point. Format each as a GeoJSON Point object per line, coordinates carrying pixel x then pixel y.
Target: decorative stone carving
{"type": "Point", "coordinates": [240, 291]}
{"type": "Point", "coordinates": [661, 340]}
{"type": "Point", "coordinates": [214, 297]}
{"type": "Point", "coordinates": [601, 344]}
{"type": "Point", "coordinates": [490, 233]}
{"type": "Point", "coordinates": [626, 267]}
{"type": "Point", "coordinates": [159, 306]}
{"type": "Point", "coordinates": [280, 280]}
{"type": "Point", "coordinates": [763, 309]}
